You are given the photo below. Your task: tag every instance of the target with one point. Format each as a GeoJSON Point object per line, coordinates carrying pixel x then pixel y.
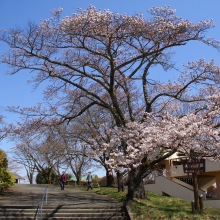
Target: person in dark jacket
{"type": "Point", "coordinates": [89, 179]}
{"type": "Point", "coordinates": [62, 180]}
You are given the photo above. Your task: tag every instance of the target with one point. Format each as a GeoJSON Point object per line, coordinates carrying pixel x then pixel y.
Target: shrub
{"type": "Point", "coordinates": [95, 181]}
{"type": "Point", "coordinates": [6, 179]}
{"type": "Point", "coordinates": [47, 178]}
{"type": "Point", "coordinates": [103, 181]}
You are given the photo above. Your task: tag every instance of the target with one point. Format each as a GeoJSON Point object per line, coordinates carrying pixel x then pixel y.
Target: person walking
{"type": "Point", "coordinates": [89, 179]}
{"type": "Point", "coordinates": [62, 180]}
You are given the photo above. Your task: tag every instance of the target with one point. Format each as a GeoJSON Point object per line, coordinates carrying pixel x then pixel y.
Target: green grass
{"type": "Point", "coordinates": [160, 207]}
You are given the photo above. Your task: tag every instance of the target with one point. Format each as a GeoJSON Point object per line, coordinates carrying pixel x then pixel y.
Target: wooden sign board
{"type": "Point", "coordinates": [194, 166]}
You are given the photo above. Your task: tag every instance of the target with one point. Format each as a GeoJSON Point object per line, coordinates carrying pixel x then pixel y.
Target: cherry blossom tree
{"type": "Point", "coordinates": [158, 137]}
{"type": "Point", "coordinates": [89, 126]}
{"type": "Point", "coordinates": [37, 147]}
{"type": "Point", "coordinates": [5, 128]}
{"type": "Point", "coordinates": [47, 146]}
{"type": "Point", "coordinates": [101, 58]}
{"type": "Point", "coordinates": [75, 153]}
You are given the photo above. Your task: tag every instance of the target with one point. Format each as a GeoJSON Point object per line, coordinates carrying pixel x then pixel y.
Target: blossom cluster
{"type": "Point", "coordinates": [156, 136]}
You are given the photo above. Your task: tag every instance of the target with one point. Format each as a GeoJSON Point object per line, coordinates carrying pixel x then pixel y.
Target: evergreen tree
{"type": "Point", "coordinates": [6, 177]}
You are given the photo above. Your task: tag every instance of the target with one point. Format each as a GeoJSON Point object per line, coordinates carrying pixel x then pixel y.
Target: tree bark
{"type": "Point", "coordinates": [109, 178]}
{"type": "Point", "coordinates": [135, 185]}
{"type": "Point", "coordinates": [78, 178]}
{"type": "Point", "coordinates": [135, 177]}
{"type": "Point", "coordinates": [30, 178]}
{"type": "Point", "coordinates": [120, 181]}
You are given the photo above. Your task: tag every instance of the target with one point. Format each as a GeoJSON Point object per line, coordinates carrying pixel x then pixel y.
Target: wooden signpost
{"type": "Point", "coordinates": [194, 166]}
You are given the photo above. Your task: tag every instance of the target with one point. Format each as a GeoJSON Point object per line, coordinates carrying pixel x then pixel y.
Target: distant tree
{"type": "Point", "coordinates": [38, 148]}
{"type": "Point", "coordinates": [21, 156]}
{"type": "Point", "coordinates": [78, 160]}
{"type": "Point", "coordinates": [95, 180]}
{"type": "Point", "coordinates": [3, 160]}
{"type": "Point", "coordinates": [14, 166]}
{"type": "Point", "coordinates": [90, 127]}
{"type": "Point", "coordinates": [42, 177]}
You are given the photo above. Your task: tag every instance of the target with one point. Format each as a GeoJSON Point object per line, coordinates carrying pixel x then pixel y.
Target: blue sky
{"type": "Point", "coordinates": [16, 91]}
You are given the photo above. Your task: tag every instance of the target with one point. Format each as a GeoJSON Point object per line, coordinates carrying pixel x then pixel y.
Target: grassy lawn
{"type": "Point", "coordinates": [161, 207]}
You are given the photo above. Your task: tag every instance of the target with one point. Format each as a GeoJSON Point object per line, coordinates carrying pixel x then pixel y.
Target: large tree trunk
{"type": "Point", "coordinates": [78, 178]}
{"type": "Point", "coordinates": [47, 176]}
{"type": "Point", "coordinates": [77, 181]}
{"type": "Point", "coordinates": [135, 185]}
{"type": "Point", "coordinates": [109, 178]}
{"type": "Point", "coordinates": [30, 178]}
{"type": "Point", "coordinates": [135, 177]}
{"type": "Point", "coordinates": [120, 181]}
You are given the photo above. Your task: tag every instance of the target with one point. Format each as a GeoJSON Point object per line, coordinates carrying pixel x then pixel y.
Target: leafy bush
{"type": "Point", "coordinates": [6, 179]}
{"type": "Point", "coordinates": [3, 160]}
{"type": "Point", "coordinates": [95, 181]}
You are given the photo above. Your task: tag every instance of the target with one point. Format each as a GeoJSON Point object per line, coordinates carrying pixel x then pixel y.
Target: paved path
{"type": "Point", "coordinates": [26, 194]}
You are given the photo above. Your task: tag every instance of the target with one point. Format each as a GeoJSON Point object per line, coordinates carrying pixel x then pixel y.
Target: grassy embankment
{"type": "Point", "coordinates": [161, 207]}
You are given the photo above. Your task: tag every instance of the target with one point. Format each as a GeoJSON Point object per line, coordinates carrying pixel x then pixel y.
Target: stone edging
{"type": "Point", "coordinates": [128, 212]}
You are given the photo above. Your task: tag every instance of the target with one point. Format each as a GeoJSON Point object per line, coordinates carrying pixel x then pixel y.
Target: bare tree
{"type": "Point", "coordinates": [22, 157]}
{"type": "Point", "coordinates": [75, 153]}
{"type": "Point", "coordinates": [38, 147]}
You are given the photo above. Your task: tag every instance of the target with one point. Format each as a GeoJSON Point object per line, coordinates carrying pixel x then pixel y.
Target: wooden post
{"type": "Point", "coordinates": [193, 206]}
{"type": "Point", "coordinates": [201, 202]}
{"type": "Point", "coordinates": [196, 189]}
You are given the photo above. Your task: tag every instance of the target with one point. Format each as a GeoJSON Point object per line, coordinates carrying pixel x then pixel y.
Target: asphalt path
{"type": "Point", "coordinates": [26, 194]}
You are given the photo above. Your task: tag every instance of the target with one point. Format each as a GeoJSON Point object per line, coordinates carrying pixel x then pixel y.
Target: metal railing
{"type": "Point", "coordinates": [40, 206]}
